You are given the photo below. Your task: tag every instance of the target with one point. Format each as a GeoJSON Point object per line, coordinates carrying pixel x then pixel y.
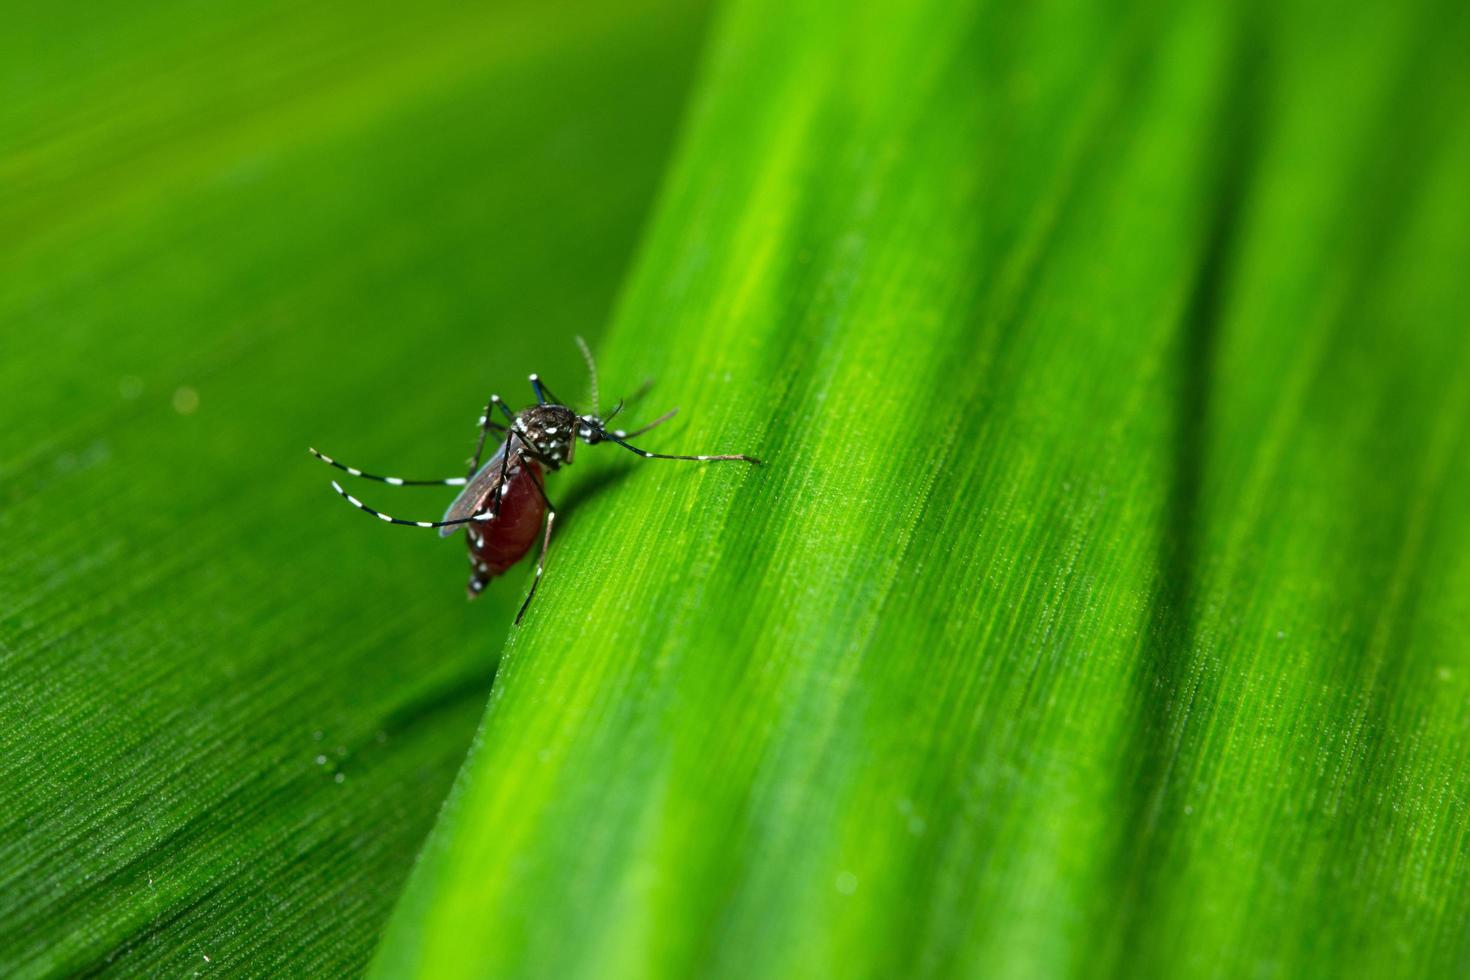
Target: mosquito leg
{"type": "Point", "coordinates": [498, 493]}
{"type": "Point", "coordinates": [486, 424]}
{"type": "Point", "coordinates": [397, 481]}
{"type": "Point", "coordinates": [540, 565]}
{"type": "Point", "coordinates": [544, 394]}
{"type": "Point", "coordinates": [642, 390]}
{"type": "Point", "coordinates": [545, 544]}
{"type": "Point", "coordinates": [702, 459]}
{"type": "Point", "coordinates": [526, 451]}
{"type": "Point", "coordinates": [474, 518]}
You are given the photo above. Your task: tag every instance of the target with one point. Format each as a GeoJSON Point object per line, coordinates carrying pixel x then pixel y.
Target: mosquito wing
{"type": "Point", "coordinates": [475, 497]}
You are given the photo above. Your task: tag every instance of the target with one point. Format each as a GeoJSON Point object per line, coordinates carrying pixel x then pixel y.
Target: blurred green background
{"type": "Point", "coordinates": [1099, 611]}
{"type": "Point", "coordinates": [227, 233]}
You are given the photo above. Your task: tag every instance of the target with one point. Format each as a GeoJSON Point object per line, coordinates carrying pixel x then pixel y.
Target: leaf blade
{"type": "Point", "coordinates": [835, 715]}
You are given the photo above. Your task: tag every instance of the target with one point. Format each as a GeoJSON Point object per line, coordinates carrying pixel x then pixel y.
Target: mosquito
{"type": "Point", "coordinates": [503, 506]}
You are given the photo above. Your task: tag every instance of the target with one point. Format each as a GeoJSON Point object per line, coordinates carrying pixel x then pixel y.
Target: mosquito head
{"type": "Point", "coordinates": [591, 429]}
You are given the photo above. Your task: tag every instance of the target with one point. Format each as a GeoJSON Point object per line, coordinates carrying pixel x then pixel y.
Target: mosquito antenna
{"type": "Point", "coordinates": [639, 431]}
{"type": "Point", "coordinates": [643, 389]}
{"type": "Point", "coordinates": [592, 372]}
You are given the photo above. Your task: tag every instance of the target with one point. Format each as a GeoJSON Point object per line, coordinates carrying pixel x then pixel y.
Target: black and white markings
{"type": "Point", "coordinates": [394, 520]}
{"type": "Point", "coordinates": [397, 481]}
{"type": "Point", "coordinates": [540, 438]}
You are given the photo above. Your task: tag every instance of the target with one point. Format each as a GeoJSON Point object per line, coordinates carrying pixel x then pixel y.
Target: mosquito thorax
{"type": "Point", "coordinates": [552, 429]}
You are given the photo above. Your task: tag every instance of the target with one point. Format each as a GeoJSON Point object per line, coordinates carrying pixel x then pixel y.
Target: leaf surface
{"type": "Point", "coordinates": [1099, 609]}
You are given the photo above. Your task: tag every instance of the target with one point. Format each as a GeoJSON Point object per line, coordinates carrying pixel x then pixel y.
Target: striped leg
{"type": "Point", "coordinates": [544, 394]}
{"type": "Point", "coordinates": [702, 459]}
{"type": "Point", "coordinates": [503, 486]}
{"type": "Point", "coordinates": [545, 543]}
{"type": "Point", "coordinates": [486, 424]}
{"type": "Point", "coordinates": [473, 518]}
{"type": "Point", "coordinates": [397, 481]}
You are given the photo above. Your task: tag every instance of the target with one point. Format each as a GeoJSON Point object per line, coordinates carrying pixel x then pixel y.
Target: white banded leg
{"type": "Point", "coordinates": [702, 459]}
{"type": "Point", "coordinates": [486, 424]}
{"type": "Point", "coordinates": [502, 486]}
{"type": "Point", "coordinates": [473, 518]}
{"type": "Point", "coordinates": [545, 544]}
{"type": "Point", "coordinates": [544, 395]}
{"type": "Point", "coordinates": [397, 481]}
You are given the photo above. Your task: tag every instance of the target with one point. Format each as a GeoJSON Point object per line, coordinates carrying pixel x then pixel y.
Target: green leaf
{"type": "Point", "coordinates": [229, 705]}
{"type": "Point", "coordinates": [1100, 608]}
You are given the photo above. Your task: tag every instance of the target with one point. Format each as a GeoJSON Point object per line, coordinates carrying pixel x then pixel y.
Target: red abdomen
{"type": "Point", "coordinates": [496, 545]}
